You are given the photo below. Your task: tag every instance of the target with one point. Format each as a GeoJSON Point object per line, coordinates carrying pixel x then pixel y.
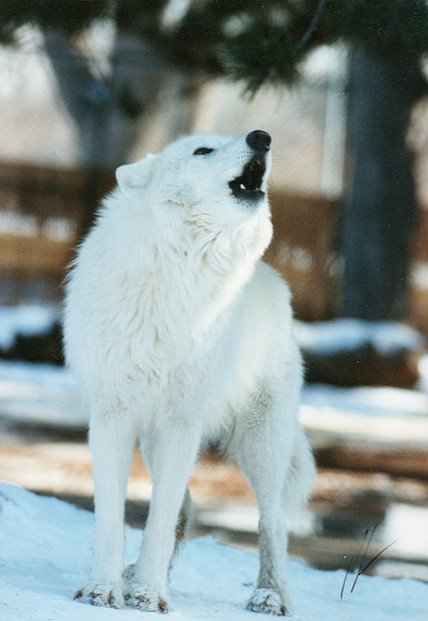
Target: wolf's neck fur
{"type": "Point", "coordinates": [183, 279]}
{"type": "Point", "coordinates": [207, 270]}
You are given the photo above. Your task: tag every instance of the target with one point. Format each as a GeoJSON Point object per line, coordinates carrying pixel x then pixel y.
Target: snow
{"type": "Point", "coordinates": [27, 319]}
{"type": "Point", "coordinates": [366, 401]}
{"type": "Point", "coordinates": [45, 556]}
{"type": "Point", "coordinates": [43, 393]}
{"type": "Point", "coordinates": [45, 543]}
{"type": "Point", "coordinates": [344, 335]}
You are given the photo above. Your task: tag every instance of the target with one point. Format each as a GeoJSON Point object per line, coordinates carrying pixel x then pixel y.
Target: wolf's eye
{"type": "Point", "coordinates": [203, 151]}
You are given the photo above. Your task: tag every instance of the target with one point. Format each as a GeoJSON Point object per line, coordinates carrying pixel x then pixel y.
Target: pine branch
{"type": "Point", "coordinates": [269, 50]}
{"type": "Point", "coordinates": [69, 17]}
{"type": "Point", "coordinates": [255, 42]}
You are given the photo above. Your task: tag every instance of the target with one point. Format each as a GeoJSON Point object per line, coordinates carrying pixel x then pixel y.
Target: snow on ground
{"type": "Point", "coordinates": [45, 556]}
{"type": "Point", "coordinates": [27, 319]}
{"type": "Point", "coordinates": [41, 393]}
{"type": "Point", "coordinates": [45, 543]}
{"type": "Point", "coordinates": [342, 335]}
{"type": "Point", "coordinates": [367, 401]}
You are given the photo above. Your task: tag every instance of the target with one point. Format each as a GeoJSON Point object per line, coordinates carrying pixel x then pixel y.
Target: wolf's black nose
{"type": "Point", "coordinates": [259, 140]}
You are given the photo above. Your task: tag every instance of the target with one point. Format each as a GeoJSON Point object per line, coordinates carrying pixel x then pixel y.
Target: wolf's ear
{"type": "Point", "coordinates": [135, 176]}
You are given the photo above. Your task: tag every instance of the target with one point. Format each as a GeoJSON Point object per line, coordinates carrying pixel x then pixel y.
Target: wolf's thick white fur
{"type": "Point", "coordinates": [180, 335]}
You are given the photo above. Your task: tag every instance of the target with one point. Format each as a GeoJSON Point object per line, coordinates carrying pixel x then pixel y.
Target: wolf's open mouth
{"type": "Point", "coordinates": [248, 184]}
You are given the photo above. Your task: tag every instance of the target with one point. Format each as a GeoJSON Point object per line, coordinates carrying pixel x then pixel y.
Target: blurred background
{"type": "Point", "coordinates": [88, 86]}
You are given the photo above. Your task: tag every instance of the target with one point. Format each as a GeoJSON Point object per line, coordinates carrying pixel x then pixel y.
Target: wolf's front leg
{"type": "Point", "coordinates": [173, 453]}
{"type": "Point", "coordinates": [111, 446]}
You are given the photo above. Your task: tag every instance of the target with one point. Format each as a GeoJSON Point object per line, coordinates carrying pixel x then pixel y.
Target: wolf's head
{"type": "Point", "coordinates": [211, 184]}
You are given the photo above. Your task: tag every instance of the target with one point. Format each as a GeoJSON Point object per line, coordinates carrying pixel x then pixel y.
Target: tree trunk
{"type": "Point", "coordinates": [380, 209]}
{"type": "Point", "coordinates": [106, 109]}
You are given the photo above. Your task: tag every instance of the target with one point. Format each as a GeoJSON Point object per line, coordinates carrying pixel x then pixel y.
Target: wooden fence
{"type": "Point", "coordinates": [44, 211]}
{"type": "Point", "coordinates": [303, 249]}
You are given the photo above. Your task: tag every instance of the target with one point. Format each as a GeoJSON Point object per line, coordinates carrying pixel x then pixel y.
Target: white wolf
{"type": "Point", "coordinates": [180, 335]}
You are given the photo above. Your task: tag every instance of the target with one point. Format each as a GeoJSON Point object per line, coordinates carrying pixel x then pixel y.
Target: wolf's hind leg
{"type": "Point", "coordinates": [185, 516]}
{"type": "Point", "coordinates": [184, 519]}
{"type": "Point", "coordinates": [263, 445]}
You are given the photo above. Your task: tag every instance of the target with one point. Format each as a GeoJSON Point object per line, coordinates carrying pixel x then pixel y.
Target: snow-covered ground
{"type": "Point", "coordinates": [45, 555]}
{"type": "Point", "coordinates": [41, 393]}
{"type": "Point", "coordinates": [45, 543]}
{"type": "Point", "coordinates": [27, 319]}
{"type": "Point", "coordinates": [342, 335]}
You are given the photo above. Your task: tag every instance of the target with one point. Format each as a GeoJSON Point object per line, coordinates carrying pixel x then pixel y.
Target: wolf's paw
{"type": "Point", "coordinates": [145, 598]}
{"type": "Point", "coordinates": [268, 601]}
{"type": "Point", "coordinates": [101, 594]}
